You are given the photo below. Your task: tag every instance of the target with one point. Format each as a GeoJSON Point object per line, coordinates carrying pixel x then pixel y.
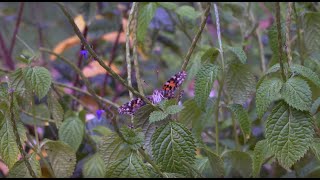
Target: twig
{"type": "Point", "coordinates": [288, 23]}
{"type": "Point", "coordinates": [13, 40]}
{"type": "Point", "coordinates": [38, 117]}
{"type": "Point", "coordinates": [134, 52]}
{"type": "Point", "coordinates": [280, 41]}
{"type": "Point", "coordinates": [96, 57]}
{"type": "Point", "coordinates": [17, 136]}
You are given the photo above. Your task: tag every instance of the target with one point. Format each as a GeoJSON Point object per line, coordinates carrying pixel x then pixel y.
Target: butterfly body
{"type": "Point", "coordinates": [167, 92]}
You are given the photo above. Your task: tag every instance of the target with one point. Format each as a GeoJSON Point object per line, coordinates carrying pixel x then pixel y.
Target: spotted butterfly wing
{"type": "Point", "coordinates": [172, 84]}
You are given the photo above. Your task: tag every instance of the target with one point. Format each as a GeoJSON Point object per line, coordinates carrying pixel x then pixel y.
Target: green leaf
{"type": "Point", "coordinates": [296, 92]}
{"type": "Point", "coordinates": [242, 115]}
{"type": "Point", "coordinates": [211, 54]}
{"type": "Point", "coordinates": [289, 133]}
{"type": "Point", "coordinates": [315, 147]}
{"type": "Point", "coordinates": [267, 92]}
{"type": "Point", "coordinates": [8, 147]}
{"type": "Point", "coordinates": [187, 11]}
{"type": "Point", "coordinates": [273, 69]}
{"type": "Point", "coordinates": [94, 167]}
{"type": "Point", "coordinates": [157, 116]}
{"type": "Point", "coordinates": [72, 132]}
{"type": "Point", "coordinates": [103, 131]}
{"type": "Point", "coordinates": [311, 35]}
{"type": "Point", "coordinates": [112, 148]}
{"type": "Point", "coordinates": [145, 15]}
{"type": "Point", "coordinates": [216, 163]}
{"type": "Point", "coordinates": [20, 170]}
{"type": "Point", "coordinates": [39, 79]}
{"type": "Point", "coordinates": [238, 51]}
{"type": "Point", "coordinates": [306, 73]}
{"type": "Point", "coordinates": [240, 83]}
{"type": "Point", "coordinates": [315, 106]}
{"type": "Point", "coordinates": [62, 158]}
{"type": "Point", "coordinates": [168, 5]}
{"type": "Point", "coordinates": [17, 81]}
{"type": "Point", "coordinates": [174, 109]}
{"type": "Point", "coordinates": [259, 155]}
{"type": "Point", "coordinates": [55, 109]}
{"type": "Point", "coordinates": [237, 162]}
{"type": "Point", "coordinates": [128, 167]}
{"type": "Point", "coordinates": [204, 83]}
{"type": "Point", "coordinates": [173, 175]}
{"type": "Point", "coordinates": [273, 40]}
{"type": "Point", "coordinates": [190, 112]}
{"type": "Point", "coordinates": [134, 137]}
{"type": "Point", "coordinates": [171, 144]}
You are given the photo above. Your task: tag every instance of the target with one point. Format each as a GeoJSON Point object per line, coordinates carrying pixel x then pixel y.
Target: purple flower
{"type": "Point", "coordinates": [99, 112]}
{"type": "Point", "coordinates": [84, 53]}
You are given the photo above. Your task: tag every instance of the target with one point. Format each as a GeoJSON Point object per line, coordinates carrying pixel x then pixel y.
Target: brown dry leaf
{"type": "Point", "coordinates": [94, 69]}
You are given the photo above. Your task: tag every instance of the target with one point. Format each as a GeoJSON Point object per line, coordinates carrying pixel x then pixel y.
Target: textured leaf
{"type": "Point", "coordinates": [20, 170]}
{"type": "Point", "coordinates": [238, 51]}
{"type": "Point", "coordinates": [56, 109]}
{"type": "Point", "coordinates": [273, 69]}
{"type": "Point", "coordinates": [173, 175]}
{"type": "Point", "coordinates": [157, 116]}
{"type": "Point", "coordinates": [259, 155]}
{"type": "Point", "coordinates": [111, 148]}
{"type": "Point", "coordinates": [204, 83]}
{"type": "Point", "coordinates": [145, 15]}
{"type": "Point", "coordinates": [267, 92]}
{"type": "Point", "coordinates": [315, 147]}
{"type": "Point", "coordinates": [174, 109]}
{"type": "Point", "coordinates": [94, 167]}
{"type": "Point", "coordinates": [8, 147]}
{"type": "Point", "coordinates": [239, 162]}
{"type": "Point", "coordinates": [61, 157]}
{"type": "Point", "coordinates": [211, 54]}
{"type": "Point", "coordinates": [39, 79]}
{"type": "Point", "coordinates": [240, 83]}
{"type": "Point", "coordinates": [315, 106]}
{"type": "Point", "coordinates": [134, 137]}
{"type": "Point", "coordinates": [216, 163]}
{"type": "Point", "coordinates": [72, 132]}
{"type": "Point", "coordinates": [242, 115]}
{"type": "Point", "coordinates": [289, 133]}
{"type": "Point", "coordinates": [296, 92]}
{"type": "Point", "coordinates": [17, 81]}
{"type": "Point", "coordinates": [131, 166]}
{"type": "Point", "coordinates": [190, 112]}
{"type": "Point", "coordinates": [311, 27]}
{"type": "Point", "coordinates": [306, 73]}
{"type": "Point", "coordinates": [141, 116]}
{"type": "Point", "coordinates": [187, 11]}
{"type": "Point", "coordinates": [171, 145]}
{"type": "Point", "coordinates": [103, 131]}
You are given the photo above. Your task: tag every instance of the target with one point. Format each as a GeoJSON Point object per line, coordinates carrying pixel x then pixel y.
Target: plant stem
{"type": "Point", "coordinates": [288, 23]}
{"type": "Point", "coordinates": [13, 40]}
{"type": "Point", "coordinates": [17, 136]}
{"type": "Point", "coordinates": [37, 117]}
{"type": "Point", "coordinates": [298, 34]}
{"type": "Point", "coordinates": [148, 159]}
{"type": "Point", "coordinates": [235, 133]}
{"type": "Point", "coordinates": [283, 74]}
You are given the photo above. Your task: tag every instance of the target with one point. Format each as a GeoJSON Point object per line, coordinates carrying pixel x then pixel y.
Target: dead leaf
{"type": "Point", "coordinates": [94, 69]}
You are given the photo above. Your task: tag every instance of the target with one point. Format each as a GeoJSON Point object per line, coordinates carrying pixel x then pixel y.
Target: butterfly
{"type": "Point", "coordinates": [167, 92]}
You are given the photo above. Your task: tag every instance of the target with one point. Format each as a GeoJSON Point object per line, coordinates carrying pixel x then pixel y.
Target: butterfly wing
{"type": "Point", "coordinates": [131, 107]}
{"type": "Point", "coordinates": [173, 83]}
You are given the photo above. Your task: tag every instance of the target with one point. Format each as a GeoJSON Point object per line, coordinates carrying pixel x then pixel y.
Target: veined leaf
{"type": "Point", "coordinates": [145, 15]}
{"type": "Point", "coordinates": [56, 109]}
{"type": "Point", "coordinates": [237, 162]}
{"type": "Point", "coordinates": [204, 83]}
{"type": "Point", "coordinates": [240, 83]}
{"type": "Point", "coordinates": [39, 79]}
{"type": "Point", "coordinates": [134, 137]}
{"type": "Point", "coordinates": [157, 116]}
{"type": "Point", "coordinates": [267, 92]}
{"type": "Point", "coordinates": [306, 73]}
{"type": "Point", "coordinates": [216, 163]}
{"type": "Point", "coordinates": [259, 155]}
{"type": "Point", "coordinates": [20, 170]}
{"type": "Point", "coordinates": [17, 81]}
{"type": "Point", "coordinates": [211, 54]}
{"type": "Point", "coordinates": [238, 51]}
{"type": "Point", "coordinates": [128, 167]}
{"type": "Point", "coordinates": [315, 106]}
{"type": "Point", "coordinates": [189, 113]}
{"type": "Point", "coordinates": [171, 144]}
{"type": "Point", "coordinates": [174, 109]}
{"type": "Point", "coordinates": [296, 92]}
{"type": "Point", "coordinates": [61, 157]}
{"type": "Point", "coordinates": [94, 167]}
{"type": "Point", "coordinates": [241, 114]}
{"type": "Point", "coordinates": [311, 27]}
{"type": "Point", "coordinates": [315, 147]}
{"type": "Point", "coordinates": [72, 132]}
{"type": "Point", "coordinates": [289, 133]}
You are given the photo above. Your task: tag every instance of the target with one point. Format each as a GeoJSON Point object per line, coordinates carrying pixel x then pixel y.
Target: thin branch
{"type": "Point", "coordinates": [97, 58]}
{"type": "Point", "coordinates": [17, 136]}
{"type": "Point", "coordinates": [280, 41]}
{"type": "Point", "coordinates": [37, 117]}
{"type": "Point", "coordinates": [288, 23]}
{"type": "Point", "coordinates": [13, 40]}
